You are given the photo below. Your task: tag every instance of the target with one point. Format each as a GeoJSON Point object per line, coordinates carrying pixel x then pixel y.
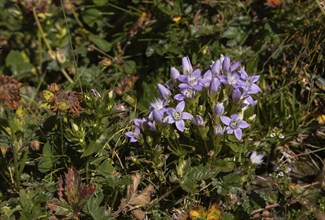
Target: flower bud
{"type": "Point", "coordinates": [164, 92]}
{"type": "Point", "coordinates": [226, 63]}
{"type": "Point", "coordinates": [60, 56]}
{"type": "Point", "coordinates": [236, 95]}
{"type": "Point", "coordinates": [218, 130]}
{"type": "Point", "coordinates": [219, 109]}
{"type": "Point", "coordinates": [199, 121]}
{"type": "Point", "coordinates": [201, 109]}
{"type": "Point", "coordinates": [186, 65]}
{"type": "Point", "coordinates": [216, 68]}
{"type": "Point", "coordinates": [214, 86]}
{"type": "Point", "coordinates": [174, 74]}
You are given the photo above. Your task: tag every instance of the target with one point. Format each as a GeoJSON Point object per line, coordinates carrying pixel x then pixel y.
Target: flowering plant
{"type": "Point", "coordinates": [202, 119]}
{"type": "Point", "coordinates": [195, 108]}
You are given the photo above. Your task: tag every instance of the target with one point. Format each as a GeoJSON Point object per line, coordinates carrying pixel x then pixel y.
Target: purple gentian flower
{"type": "Point", "coordinates": [185, 94]}
{"type": "Point", "coordinates": [206, 80]}
{"type": "Point", "coordinates": [190, 80]}
{"type": "Point", "coordinates": [133, 135]}
{"type": "Point", "coordinates": [157, 108]}
{"type": "Point", "coordinates": [249, 101]}
{"type": "Point", "coordinates": [230, 79]}
{"type": "Point", "coordinates": [186, 65]}
{"type": "Point", "coordinates": [256, 159]}
{"type": "Point", "coordinates": [177, 116]}
{"type": "Point", "coordinates": [164, 92]}
{"type": "Point", "coordinates": [248, 82]}
{"type": "Point", "coordinates": [234, 125]}
{"type": "Point", "coordinates": [139, 122]}
{"type": "Point", "coordinates": [152, 125]}
{"type": "Point", "coordinates": [199, 121]}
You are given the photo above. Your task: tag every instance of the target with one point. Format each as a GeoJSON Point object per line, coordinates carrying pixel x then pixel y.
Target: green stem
{"type": "Point", "coordinates": [65, 74]}
{"type": "Point", "coordinates": [16, 166]}
{"type": "Point", "coordinates": [42, 32]}
{"type": "Point", "coordinates": [51, 52]}
{"type": "Point", "coordinates": [62, 143]}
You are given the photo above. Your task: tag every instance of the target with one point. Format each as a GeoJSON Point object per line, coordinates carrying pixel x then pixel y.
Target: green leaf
{"type": "Point", "coordinates": [234, 147]}
{"type": "Point", "coordinates": [8, 211]}
{"type": "Point", "coordinates": [232, 180]}
{"type": "Point", "coordinates": [46, 163]}
{"type": "Point", "coordinates": [93, 147]}
{"type": "Point", "coordinates": [93, 207]}
{"type": "Point", "coordinates": [195, 174]}
{"type": "Point", "coordinates": [18, 62]}
{"type": "Point", "coordinates": [129, 66]}
{"type": "Point", "coordinates": [100, 43]}
{"type": "Point", "coordinates": [224, 166]}
{"type": "Point", "coordinates": [100, 2]}
{"type": "Point", "coordinates": [106, 167]}
{"type": "Point", "coordinates": [92, 16]}
{"type": "Point", "coordinates": [231, 33]}
{"type": "Point", "coordinates": [227, 216]}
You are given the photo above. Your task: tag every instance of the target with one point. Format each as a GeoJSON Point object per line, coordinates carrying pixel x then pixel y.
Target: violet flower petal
{"type": "Point", "coordinates": [243, 124]}
{"type": "Point", "coordinates": [169, 119]}
{"type": "Point", "coordinates": [180, 125]}
{"type": "Point", "coordinates": [226, 120]}
{"type": "Point", "coordinates": [186, 115]}
{"type": "Point", "coordinates": [180, 106]}
{"type": "Point", "coordinates": [238, 133]}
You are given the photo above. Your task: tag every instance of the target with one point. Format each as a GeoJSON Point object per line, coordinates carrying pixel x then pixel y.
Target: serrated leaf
{"type": "Point", "coordinates": [224, 166]}
{"type": "Point", "coordinates": [195, 174]}
{"type": "Point", "coordinates": [93, 207]}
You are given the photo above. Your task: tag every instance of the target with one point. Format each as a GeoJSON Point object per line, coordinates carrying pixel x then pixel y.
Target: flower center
{"type": "Point", "coordinates": [187, 93]}
{"type": "Point", "coordinates": [177, 116]}
{"type": "Point", "coordinates": [255, 160]}
{"type": "Point", "coordinates": [234, 124]}
{"type": "Point", "coordinates": [192, 80]}
{"type": "Point", "coordinates": [157, 104]}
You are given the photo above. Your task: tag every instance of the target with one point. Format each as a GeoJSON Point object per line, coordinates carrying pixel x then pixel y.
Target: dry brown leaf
{"type": "Point", "coordinates": [133, 200]}
{"type": "Point", "coordinates": [180, 214]}
{"type": "Point", "coordinates": [132, 188]}
{"type": "Point", "coordinates": [142, 198]}
{"type": "Point", "coordinates": [138, 214]}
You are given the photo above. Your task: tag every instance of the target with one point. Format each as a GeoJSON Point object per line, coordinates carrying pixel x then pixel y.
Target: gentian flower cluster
{"type": "Point", "coordinates": [214, 102]}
